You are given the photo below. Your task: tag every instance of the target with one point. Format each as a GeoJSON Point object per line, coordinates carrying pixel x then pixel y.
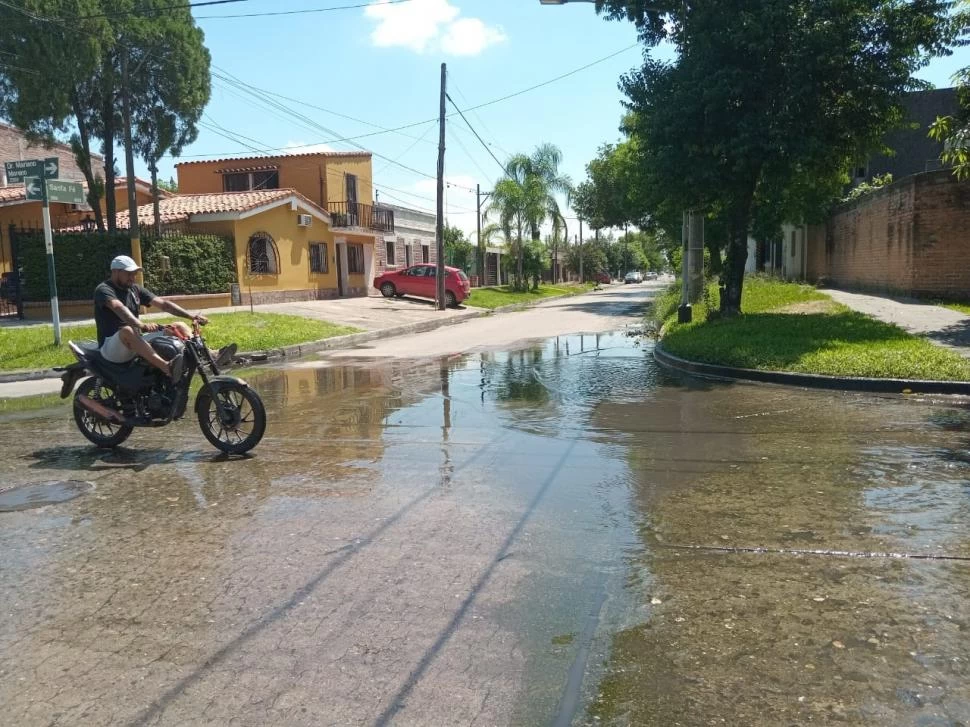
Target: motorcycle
{"type": "Point", "coordinates": [116, 398]}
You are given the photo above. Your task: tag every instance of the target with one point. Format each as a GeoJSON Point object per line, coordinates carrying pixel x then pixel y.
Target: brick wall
{"type": "Point", "coordinates": [912, 237]}
{"type": "Point", "coordinates": [14, 147]}
{"type": "Point", "coordinates": [400, 259]}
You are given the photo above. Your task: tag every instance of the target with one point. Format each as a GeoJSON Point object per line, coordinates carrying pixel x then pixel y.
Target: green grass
{"type": "Point", "coordinates": [33, 347]}
{"type": "Point", "coordinates": [959, 307]}
{"type": "Point", "coordinates": [839, 342]}
{"type": "Point", "coordinates": [496, 297]}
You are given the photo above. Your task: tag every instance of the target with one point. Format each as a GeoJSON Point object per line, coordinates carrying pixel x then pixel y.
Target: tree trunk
{"type": "Point", "coordinates": [717, 265]}
{"type": "Point", "coordinates": [520, 255]}
{"type": "Point", "coordinates": [155, 206]}
{"type": "Point", "coordinates": [737, 254]}
{"type": "Point", "coordinates": [760, 255]}
{"type": "Point", "coordinates": [108, 119]}
{"type": "Point", "coordinates": [84, 162]}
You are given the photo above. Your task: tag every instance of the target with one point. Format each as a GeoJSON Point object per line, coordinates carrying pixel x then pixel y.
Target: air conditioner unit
{"type": "Point", "coordinates": [304, 220]}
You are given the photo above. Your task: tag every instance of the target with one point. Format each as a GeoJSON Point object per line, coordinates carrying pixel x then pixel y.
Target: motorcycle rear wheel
{"type": "Point", "coordinates": [241, 424]}
{"type": "Point", "coordinates": [103, 434]}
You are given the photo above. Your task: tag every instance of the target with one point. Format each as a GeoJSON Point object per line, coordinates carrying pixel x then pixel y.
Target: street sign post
{"type": "Point", "coordinates": [37, 190]}
{"type": "Point", "coordinates": [18, 171]}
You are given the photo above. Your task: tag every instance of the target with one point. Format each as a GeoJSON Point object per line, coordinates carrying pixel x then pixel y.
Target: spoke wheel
{"type": "Point", "coordinates": [103, 433]}
{"type": "Point", "coordinates": [237, 423]}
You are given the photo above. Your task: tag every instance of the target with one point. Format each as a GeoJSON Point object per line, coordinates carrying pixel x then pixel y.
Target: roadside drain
{"type": "Point", "coordinates": [39, 494]}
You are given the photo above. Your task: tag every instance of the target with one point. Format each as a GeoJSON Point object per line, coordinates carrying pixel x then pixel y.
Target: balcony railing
{"type": "Point", "coordinates": [356, 214]}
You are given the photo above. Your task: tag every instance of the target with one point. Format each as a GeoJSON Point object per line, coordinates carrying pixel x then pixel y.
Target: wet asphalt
{"type": "Point", "coordinates": [550, 532]}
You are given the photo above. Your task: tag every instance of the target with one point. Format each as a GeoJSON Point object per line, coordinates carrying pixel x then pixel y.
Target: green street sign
{"type": "Point", "coordinates": [65, 192]}
{"type": "Point", "coordinates": [19, 171]}
{"type": "Point", "coordinates": [52, 168]}
{"type": "Point", "coordinates": [35, 189]}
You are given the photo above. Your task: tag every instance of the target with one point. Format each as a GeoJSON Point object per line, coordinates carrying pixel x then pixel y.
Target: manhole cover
{"type": "Point", "coordinates": [25, 497]}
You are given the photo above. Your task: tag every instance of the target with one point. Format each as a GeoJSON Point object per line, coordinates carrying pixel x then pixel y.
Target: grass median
{"type": "Point", "coordinates": [498, 296]}
{"type": "Point", "coordinates": [32, 347]}
{"type": "Point", "coordinates": [791, 327]}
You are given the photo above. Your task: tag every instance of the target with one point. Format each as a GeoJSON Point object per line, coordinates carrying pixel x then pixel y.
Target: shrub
{"type": "Point", "coordinates": [197, 264]}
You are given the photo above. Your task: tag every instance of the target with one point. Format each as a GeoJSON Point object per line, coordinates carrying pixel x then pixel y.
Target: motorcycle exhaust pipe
{"type": "Point", "coordinates": [101, 410]}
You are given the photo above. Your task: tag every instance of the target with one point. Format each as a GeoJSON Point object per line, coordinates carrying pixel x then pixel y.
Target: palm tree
{"type": "Point", "coordinates": [525, 197]}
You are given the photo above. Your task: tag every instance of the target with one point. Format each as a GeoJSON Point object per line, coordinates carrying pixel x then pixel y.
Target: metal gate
{"type": "Point", "coordinates": [11, 277]}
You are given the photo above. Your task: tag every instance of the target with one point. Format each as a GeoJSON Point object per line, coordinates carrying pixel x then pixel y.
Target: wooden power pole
{"type": "Point", "coordinates": [440, 233]}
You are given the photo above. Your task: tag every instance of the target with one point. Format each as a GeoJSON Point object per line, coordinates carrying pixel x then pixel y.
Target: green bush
{"type": "Point", "coordinates": [80, 259]}
{"type": "Point", "coordinates": [197, 264]}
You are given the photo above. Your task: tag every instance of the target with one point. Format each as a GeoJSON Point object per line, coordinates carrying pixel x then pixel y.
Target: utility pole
{"type": "Point", "coordinates": [478, 221]}
{"type": "Point", "coordinates": [130, 164]}
{"type": "Point", "coordinates": [581, 278]}
{"type": "Point", "coordinates": [440, 233]}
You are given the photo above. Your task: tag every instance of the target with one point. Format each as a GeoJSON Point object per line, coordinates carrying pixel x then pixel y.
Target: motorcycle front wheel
{"type": "Point", "coordinates": [101, 432]}
{"type": "Point", "coordinates": [241, 423]}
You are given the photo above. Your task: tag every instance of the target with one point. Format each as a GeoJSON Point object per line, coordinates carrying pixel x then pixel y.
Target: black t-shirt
{"type": "Point", "coordinates": [106, 319]}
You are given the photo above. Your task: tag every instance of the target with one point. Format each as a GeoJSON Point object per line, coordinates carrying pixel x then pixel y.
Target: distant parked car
{"type": "Point", "coordinates": [634, 276]}
{"type": "Point", "coordinates": [419, 280]}
{"type": "Point", "coordinates": [603, 278]}
{"type": "Point", "coordinates": [651, 275]}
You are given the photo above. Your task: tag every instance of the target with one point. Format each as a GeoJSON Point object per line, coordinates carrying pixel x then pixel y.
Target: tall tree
{"type": "Point", "coordinates": [173, 87]}
{"type": "Point", "coordinates": [954, 131]}
{"type": "Point", "coordinates": [49, 52]}
{"type": "Point", "coordinates": [765, 92]}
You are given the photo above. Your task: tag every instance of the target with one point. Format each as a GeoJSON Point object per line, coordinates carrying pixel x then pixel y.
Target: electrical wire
{"type": "Point", "coordinates": [155, 11]}
{"type": "Point", "coordinates": [302, 12]}
{"type": "Point", "coordinates": [472, 128]}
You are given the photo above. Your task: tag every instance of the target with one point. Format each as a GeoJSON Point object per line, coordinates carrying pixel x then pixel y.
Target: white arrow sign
{"type": "Point", "coordinates": [34, 190]}
{"type": "Point", "coordinates": [50, 170]}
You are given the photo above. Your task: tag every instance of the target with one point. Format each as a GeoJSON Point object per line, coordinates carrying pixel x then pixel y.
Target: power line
{"type": "Point", "coordinates": [491, 153]}
{"type": "Point", "coordinates": [155, 11]}
{"type": "Point", "coordinates": [482, 122]}
{"type": "Point", "coordinates": [303, 12]}
{"type": "Point", "coordinates": [469, 155]}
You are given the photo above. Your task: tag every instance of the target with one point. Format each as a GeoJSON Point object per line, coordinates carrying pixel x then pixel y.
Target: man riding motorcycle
{"type": "Point", "coordinates": [116, 309]}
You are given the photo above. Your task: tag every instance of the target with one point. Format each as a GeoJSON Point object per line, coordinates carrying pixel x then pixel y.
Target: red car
{"type": "Point", "coordinates": [419, 280]}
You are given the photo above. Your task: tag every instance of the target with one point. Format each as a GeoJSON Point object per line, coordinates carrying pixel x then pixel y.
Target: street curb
{"type": "Point", "coordinates": [326, 344]}
{"type": "Point", "coordinates": [812, 381]}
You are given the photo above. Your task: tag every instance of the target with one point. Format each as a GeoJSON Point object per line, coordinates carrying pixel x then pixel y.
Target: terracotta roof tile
{"type": "Point", "coordinates": [330, 154]}
{"type": "Point", "coordinates": [181, 207]}
{"type": "Point", "coordinates": [13, 193]}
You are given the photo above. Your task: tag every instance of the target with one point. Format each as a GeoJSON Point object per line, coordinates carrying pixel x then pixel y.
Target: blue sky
{"type": "Point", "coordinates": [381, 65]}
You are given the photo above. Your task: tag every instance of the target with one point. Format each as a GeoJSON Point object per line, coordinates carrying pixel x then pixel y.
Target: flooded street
{"type": "Point", "coordinates": [519, 536]}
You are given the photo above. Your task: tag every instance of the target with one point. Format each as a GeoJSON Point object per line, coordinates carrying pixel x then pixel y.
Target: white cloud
{"type": "Point", "coordinates": [469, 37]}
{"type": "Point", "coordinates": [302, 147]}
{"type": "Point", "coordinates": [427, 25]}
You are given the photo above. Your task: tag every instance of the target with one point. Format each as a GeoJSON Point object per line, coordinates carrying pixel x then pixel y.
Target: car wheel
{"type": "Point", "coordinates": [388, 290]}
{"type": "Point", "coordinates": [450, 300]}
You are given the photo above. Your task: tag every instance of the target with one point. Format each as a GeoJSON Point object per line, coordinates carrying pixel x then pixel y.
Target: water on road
{"type": "Point", "coordinates": [544, 535]}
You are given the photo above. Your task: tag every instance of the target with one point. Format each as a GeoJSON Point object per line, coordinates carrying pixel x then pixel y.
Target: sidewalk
{"type": "Point", "coordinates": [940, 325]}
{"type": "Point", "coordinates": [376, 317]}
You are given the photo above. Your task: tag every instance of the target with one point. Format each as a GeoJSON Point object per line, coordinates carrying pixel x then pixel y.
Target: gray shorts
{"type": "Point", "coordinates": [115, 351]}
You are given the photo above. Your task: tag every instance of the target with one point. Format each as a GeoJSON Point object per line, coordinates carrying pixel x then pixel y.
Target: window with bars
{"type": "Point", "coordinates": [389, 246]}
{"type": "Point", "coordinates": [319, 261]}
{"type": "Point", "coordinates": [263, 258]}
{"type": "Point", "coordinates": [355, 259]}
{"type": "Point", "coordinates": [425, 253]}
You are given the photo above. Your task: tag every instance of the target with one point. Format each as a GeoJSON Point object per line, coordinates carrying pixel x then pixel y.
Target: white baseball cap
{"type": "Point", "coordinates": [123, 262]}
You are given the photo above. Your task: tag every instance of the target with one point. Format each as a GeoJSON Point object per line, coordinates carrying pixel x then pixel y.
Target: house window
{"type": "Point", "coordinates": [319, 262]}
{"type": "Point", "coordinates": [389, 247]}
{"type": "Point", "coordinates": [246, 181]}
{"type": "Point", "coordinates": [263, 259]}
{"type": "Point", "coordinates": [425, 253]}
{"type": "Point", "coordinates": [355, 259]}
{"type": "Point", "coordinates": [408, 256]}
{"type": "Point", "coordinates": [351, 187]}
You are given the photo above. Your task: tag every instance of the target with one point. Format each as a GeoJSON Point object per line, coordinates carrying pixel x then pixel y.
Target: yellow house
{"type": "Point", "coordinates": [284, 246]}
{"type": "Point", "coordinates": [339, 184]}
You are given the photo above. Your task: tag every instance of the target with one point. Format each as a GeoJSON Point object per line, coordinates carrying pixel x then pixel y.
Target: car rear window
{"type": "Point", "coordinates": [461, 275]}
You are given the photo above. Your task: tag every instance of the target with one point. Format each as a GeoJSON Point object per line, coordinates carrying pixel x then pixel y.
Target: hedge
{"type": "Point", "coordinates": [198, 263]}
